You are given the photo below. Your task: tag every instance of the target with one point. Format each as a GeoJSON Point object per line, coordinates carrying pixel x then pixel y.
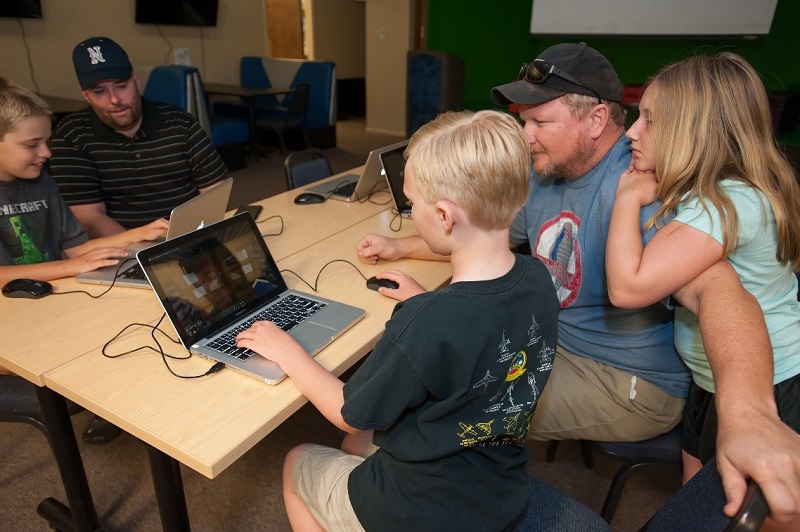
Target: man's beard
{"type": "Point", "coordinates": [577, 165]}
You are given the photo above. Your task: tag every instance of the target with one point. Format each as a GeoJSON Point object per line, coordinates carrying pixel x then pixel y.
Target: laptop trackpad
{"type": "Point", "coordinates": [312, 336]}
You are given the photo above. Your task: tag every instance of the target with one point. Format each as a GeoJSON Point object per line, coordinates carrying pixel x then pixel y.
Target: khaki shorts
{"type": "Point", "coordinates": [320, 477]}
{"type": "Point", "coordinates": [587, 400]}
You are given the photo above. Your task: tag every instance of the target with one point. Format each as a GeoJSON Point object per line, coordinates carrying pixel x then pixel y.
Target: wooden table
{"type": "Point", "coordinates": [208, 423]}
{"type": "Point", "coordinates": [249, 95]}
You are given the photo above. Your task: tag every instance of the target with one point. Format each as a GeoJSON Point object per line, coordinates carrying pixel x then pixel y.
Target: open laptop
{"type": "Point", "coordinates": [216, 281]}
{"type": "Point", "coordinates": [203, 209]}
{"type": "Point", "coordinates": [352, 187]}
{"type": "Point", "coordinates": [394, 167]}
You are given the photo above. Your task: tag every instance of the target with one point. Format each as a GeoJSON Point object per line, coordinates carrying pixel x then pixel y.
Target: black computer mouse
{"type": "Point", "coordinates": [373, 283]}
{"type": "Point", "coordinates": [307, 198]}
{"type": "Point", "coordinates": [28, 288]}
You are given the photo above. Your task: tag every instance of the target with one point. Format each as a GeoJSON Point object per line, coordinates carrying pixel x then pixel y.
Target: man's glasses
{"type": "Point", "coordinates": [539, 70]}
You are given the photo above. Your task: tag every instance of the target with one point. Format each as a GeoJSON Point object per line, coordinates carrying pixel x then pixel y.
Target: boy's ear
{"type": "Point", "coordinates": [447, 211]}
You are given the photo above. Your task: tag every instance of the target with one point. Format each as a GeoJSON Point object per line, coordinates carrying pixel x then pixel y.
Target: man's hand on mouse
{"type": "Point", "coordinates": [407, 286]}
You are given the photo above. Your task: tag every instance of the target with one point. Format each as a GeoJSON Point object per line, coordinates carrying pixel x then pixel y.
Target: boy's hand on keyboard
{"type": "Point", "coordinates": [269, 341]}
{"type": "Point", "coordinates": [97, 258]}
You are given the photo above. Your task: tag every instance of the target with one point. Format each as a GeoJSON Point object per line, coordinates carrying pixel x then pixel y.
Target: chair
{"type": "Point", "coordinates": [698, 505]}
{"type": "Point", "coordinates": [658, 452]}
{"type": "Point", "coordinates": [182, 87]}
{"type": "Point", "coordinates": [19, 404]}
{"type": "Point", "coordinates": [549, 509]}
{"type": "Point", "coordinates": [293, 118]}
{"type": "Point", "coordinates": [306, 166]}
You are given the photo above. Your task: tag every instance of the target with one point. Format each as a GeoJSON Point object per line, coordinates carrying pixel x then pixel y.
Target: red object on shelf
{"type": "Point", "coordinates": [631, 94]}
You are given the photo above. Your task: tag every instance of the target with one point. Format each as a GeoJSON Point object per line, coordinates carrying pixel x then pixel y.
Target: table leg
{"type": "Point", "coordinates": [168, 485]}
{"type": "Point", "coordinates": [68, 458]}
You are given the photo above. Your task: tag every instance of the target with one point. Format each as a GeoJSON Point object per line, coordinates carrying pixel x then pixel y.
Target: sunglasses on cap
{"type": "Point", "coordinates": [538, 70]}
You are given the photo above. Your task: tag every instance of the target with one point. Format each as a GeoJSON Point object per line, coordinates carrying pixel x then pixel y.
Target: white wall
{"type": "Point", "coordinates": [216, 51]}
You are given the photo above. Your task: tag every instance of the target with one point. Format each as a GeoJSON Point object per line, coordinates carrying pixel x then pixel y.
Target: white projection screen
{"type": "Point", "coordinates": [711, 18]}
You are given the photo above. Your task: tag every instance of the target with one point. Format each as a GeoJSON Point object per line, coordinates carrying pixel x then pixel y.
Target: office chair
{"type": "Point", "coordinates": [698, 505]}
{"type": "Point", "coordinates": [293, 118]}
{"type": "Point", "coordinates": [658, 452]}
{"type": "Point", "coordinates": [306, 166]}
{"type": "Point", "coordinates": [20, 404]}
{"type": "Point", "coordinates": [549, 509]}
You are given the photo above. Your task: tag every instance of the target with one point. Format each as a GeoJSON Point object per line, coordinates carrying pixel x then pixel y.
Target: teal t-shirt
{"type": "Point", "coordinates": [774, 285]}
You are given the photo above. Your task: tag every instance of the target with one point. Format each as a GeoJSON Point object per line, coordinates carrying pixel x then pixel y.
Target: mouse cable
{"type": "Point", "coordinates": [279, 217]}
{"type": "Point", "coordinates": [396, 216]}
{"type": "Point", "coordinates": [268, 218]}
{"type": "Point", "coordinates": [316, 281]}
{"type": "Point", "coordinates": [372, 192]}
{"type": "Point", "coordinates": [153, 328]}
{"type": "Point", "coordinates": [104, 292]}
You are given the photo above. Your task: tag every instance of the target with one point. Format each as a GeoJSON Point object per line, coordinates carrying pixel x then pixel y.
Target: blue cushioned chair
{"type": "Point", "coordinates": [306, 166]}
{"type": "Point", "coordinates": [182, 87]}
{"type": "Point", "coordinates": [658, 452]}
{"type": "Point", "coordinates": [549, 509]}
{"type": "Point", "coordinates": [698, 505]}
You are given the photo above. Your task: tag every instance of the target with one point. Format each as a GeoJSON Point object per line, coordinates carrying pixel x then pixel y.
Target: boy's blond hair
{"type": "Point", "coordinates": [480, 161]}
{"type": "Point", "coordinates": [17, 104]}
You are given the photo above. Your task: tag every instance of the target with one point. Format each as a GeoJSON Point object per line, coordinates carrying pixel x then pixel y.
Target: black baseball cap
{"type": "Point", "coordinates": [579, 61]}
{"type": "Point", "coordinates": [99, 58]}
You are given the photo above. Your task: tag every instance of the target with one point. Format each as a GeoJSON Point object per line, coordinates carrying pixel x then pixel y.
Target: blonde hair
{"type": "Point", "coordinates": [480, 161]}
{"type": "Point", "coordinates": [711, 121]}
{"type": "Point", "coordinates": [580, 104]}
{"type": "Point", "coordinates": [18, 104]}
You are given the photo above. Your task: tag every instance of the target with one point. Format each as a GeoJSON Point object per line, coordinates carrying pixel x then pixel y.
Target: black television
{"type": "Point", "coordinates": [21, 8]}
{"type": "Point", "coordinates": [177, 12]}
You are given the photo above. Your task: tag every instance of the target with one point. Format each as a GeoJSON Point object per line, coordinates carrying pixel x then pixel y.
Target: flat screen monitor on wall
{"type": "Point", "coordinates": [708, 18]}
{"type": "Point", "coordinates": [21, 8]}
{"type": "Point", "coordinates": [177, 12]}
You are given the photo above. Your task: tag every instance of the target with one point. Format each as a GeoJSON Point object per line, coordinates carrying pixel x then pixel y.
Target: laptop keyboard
{"type": "Point", "coordinates": [286, 314]}
{"type": "Point", "coordinates": [132, 272]}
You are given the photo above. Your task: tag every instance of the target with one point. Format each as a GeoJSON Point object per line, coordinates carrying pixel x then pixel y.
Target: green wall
{"type": "Point", "coordinates": [493, 39]}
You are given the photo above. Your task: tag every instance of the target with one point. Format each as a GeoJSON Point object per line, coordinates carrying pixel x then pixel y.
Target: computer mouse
{"type": "Point", "coordinates": [28, 288]}
{"type": "Point", "coordinates": [373, 283]}
{"type": "Point", "coordinates": [307, 198]}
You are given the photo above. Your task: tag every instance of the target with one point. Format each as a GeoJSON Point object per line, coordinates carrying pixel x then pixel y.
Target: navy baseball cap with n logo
{"type": "Point", "coordinates": [98, 59]}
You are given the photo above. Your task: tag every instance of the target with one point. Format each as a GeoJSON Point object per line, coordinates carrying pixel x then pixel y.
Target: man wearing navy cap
{"type": "Point", "coordinates": [616, 375]}
{"type": "Point", "coordinates": [125, 161]}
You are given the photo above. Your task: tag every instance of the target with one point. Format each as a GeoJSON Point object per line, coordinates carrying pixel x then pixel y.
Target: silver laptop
{"type": "Point", "coordinates": [204, 209]}
{"type": "Point", "coordinates": [352, 187]}
{"type": "Point", "coordinates": [216, 281]}
{"type": "Point", "coordinates": [394, 167]}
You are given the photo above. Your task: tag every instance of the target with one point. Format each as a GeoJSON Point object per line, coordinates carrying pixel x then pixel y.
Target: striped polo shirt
{"type": "Point", "coordinates": [139, 179]}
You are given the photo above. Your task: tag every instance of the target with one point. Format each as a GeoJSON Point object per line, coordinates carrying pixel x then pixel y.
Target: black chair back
{"type": "Point", "coordinates": [306, 166]}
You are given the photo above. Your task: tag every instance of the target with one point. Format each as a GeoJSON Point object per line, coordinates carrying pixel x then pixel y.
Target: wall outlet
{"type": "Point", "coordinates": [181, 56]}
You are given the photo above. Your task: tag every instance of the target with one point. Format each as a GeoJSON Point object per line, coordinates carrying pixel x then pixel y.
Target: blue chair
{"type": "Point", "coordinates": [659, 452]}
{"type": "Point", "coordinates": [549, 509]}
{"type": "Point", "coordinates": [306, 166]}
{"type": "Point", "coordinates": [182, 87]}
{"type": "Point", "coordinates": [698, 505]}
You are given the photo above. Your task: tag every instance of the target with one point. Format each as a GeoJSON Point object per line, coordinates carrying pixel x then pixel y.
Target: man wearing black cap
{"type": "Point", "coordinates": [616, 375]}
{"type": "Point", "coordinates": [125, 161]}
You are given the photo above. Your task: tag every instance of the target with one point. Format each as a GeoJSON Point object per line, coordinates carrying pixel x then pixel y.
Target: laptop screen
{"type": "Point", "coordinates": [208, 279]}
{"type": "Point", "coordinates": [394, 165]}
